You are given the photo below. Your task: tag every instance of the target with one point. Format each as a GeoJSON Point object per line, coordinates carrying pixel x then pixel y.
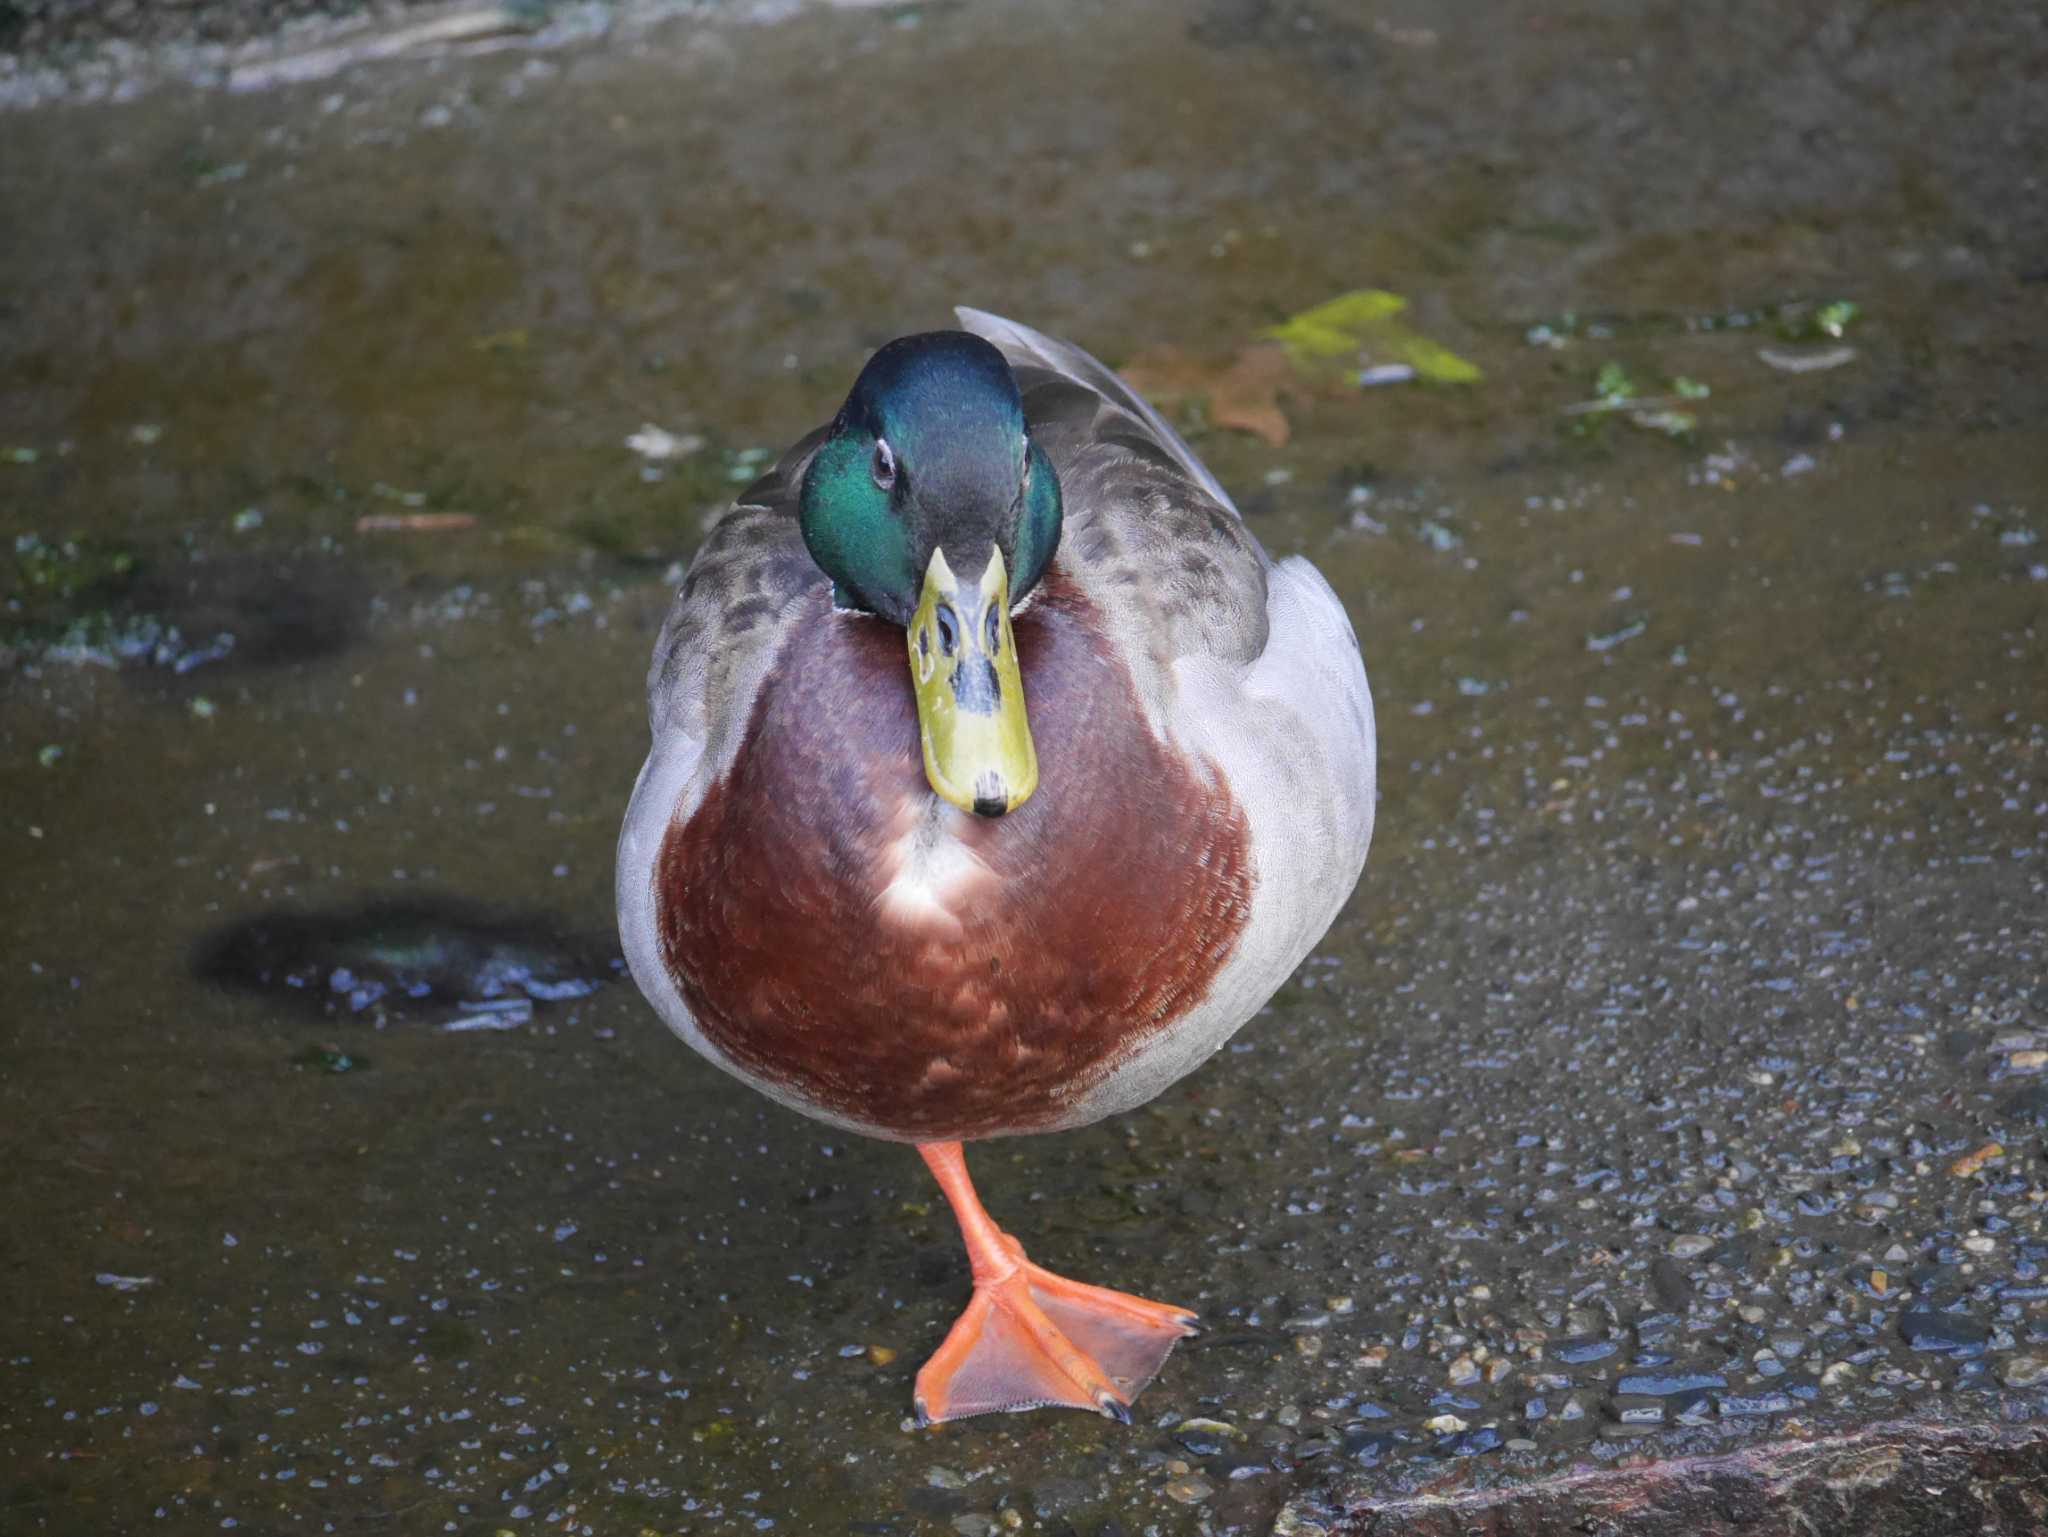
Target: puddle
{"type": "Point", "coordinates": [407, 955]}
{"type": "Point", "coordinates": [108, 605]}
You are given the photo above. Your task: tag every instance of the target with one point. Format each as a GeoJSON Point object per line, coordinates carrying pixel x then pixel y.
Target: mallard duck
{"type": "Point", "coordinates": [998, 776]}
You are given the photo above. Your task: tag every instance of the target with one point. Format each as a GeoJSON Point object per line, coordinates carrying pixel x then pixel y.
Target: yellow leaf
{"type": "Point", "coordinates": [1333, 336]}
{"type": "Point", "coordinates": [1332, 329]}
{"type": "Point", "coordinates": [1439, 365]}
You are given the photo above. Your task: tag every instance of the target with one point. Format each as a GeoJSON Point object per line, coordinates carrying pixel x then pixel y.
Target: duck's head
{"type": "Point", "coordinates": [929, 505]}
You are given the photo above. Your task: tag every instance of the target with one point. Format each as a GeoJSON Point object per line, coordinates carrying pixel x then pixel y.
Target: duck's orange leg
{"type": "Point", "coordinates": [1030, 1339]}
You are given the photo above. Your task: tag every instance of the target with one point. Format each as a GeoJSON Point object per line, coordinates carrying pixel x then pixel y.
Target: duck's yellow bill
{"type": "Point", "coordinates": [970, 694]}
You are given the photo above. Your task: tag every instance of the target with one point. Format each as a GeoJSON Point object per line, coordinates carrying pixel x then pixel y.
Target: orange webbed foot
{"type": "Point", "coordinates": [1031, 1339]}
{"type": "Point", "coordinates": [1036, 1340]}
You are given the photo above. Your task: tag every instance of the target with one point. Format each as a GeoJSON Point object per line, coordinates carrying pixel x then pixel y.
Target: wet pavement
{"type": "Point", "coordinates": [1658, 1137]}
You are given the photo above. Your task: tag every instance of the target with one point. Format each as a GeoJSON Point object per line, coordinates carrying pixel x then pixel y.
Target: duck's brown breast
{"type": "Point", "coordinates": [841, 933]}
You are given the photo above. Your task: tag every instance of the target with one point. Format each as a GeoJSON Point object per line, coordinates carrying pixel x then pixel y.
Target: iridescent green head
{"type": "Point", "coordinates": [929, 452]}
{"type": "Point", "coordinates": [929, 505]}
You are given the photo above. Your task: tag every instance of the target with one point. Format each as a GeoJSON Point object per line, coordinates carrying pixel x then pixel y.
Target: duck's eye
{"type": "Point", "coordinates": [949, 629]}
{"type": "Point", "coordinates": [884, 467]}
{"type": "Point", "coordinates": [995, 630]}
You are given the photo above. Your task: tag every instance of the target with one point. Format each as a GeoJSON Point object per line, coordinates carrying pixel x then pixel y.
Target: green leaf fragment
{"type": "Point", "coordinates": [1804, 322]}
{"type": "Point", "coordinates": [1613, 385]}
{"type": "Point", "coordinates": [1332, 329]}
{"type": "Point", "coordinates": [1333, 336]}
{"type": "Point", "coordinates": [1614, 391]}
{"type": "Point", "coordinates": [1436, 363]}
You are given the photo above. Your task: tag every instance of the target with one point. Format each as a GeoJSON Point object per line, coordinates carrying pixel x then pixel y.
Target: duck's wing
{"type": "Point", "coordinates": [1150, 532]}
{"type": "Point", "coordinates": [1042, 354]}
{"type": "Point", "coordinates": [728, 616]}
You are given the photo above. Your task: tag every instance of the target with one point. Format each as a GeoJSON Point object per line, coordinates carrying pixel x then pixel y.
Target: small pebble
{"type": "Point", "coordinates": [1953, 1334]}
{"type": "Point", "coordinates": [1190, 1491]}
{"type": "Point", "coordinates": [1444, 1424]}
{"type": "Point", "coordinates": [1471, 1443]}
{"type": "Point", "coordinates": [2024, 1372]}
{"type": "Point", "coordinates": [1690, 1245]}
{"type": "Point", "coordinates": [1578, 1353]}
{"type": "Point", "coordinates": [1305, 1518]}
{"type": "Point", "coordinates": [1463, 1372]}
{"type": "Point", "coordinates": [1756, 1403]}
{"type": "Point", "coordinates": [1970, 1163]}
{"type": "Point", "coordinates": [1664, 1384]}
